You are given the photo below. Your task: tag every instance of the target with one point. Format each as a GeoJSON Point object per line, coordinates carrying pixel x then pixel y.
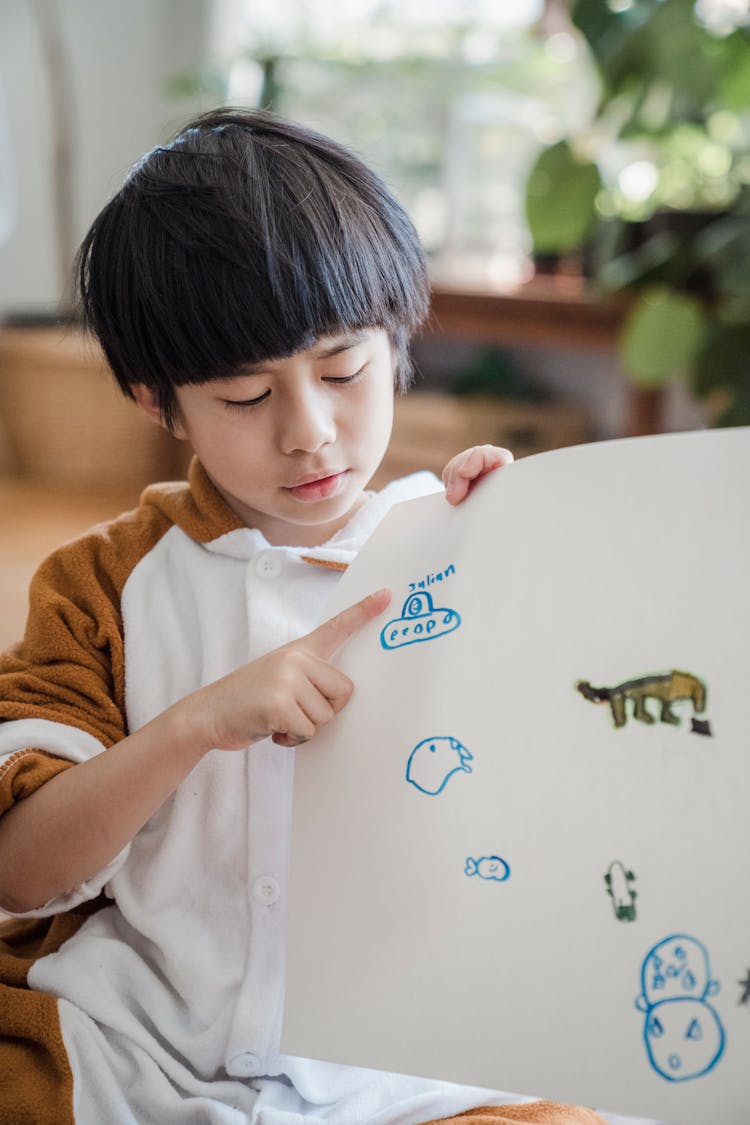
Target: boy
{"type": "Point", "coordinates": [254, 288]}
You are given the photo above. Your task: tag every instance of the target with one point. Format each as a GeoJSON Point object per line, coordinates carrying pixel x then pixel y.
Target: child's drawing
{"type": "Point", "coordinates": [619, 882]}
{"type": "Point", "coordinates": [488, 867]}
{"type": "Point", "coordinates": [431, 579]}
{"type": "Point", "coordinates": [433, 761]}
{"type": "Point", "coordinates": [683, 1034]}
{"type": "Point", "coordinates": [667, 688]}
{"type": "Point", "coordinates": [700, 726]}
{"type": "Point", "coordinates": [419, 621]}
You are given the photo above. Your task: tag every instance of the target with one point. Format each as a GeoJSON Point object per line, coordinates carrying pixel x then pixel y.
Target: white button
{"type": "Point", "coordinates": [266, 890]}
{"type": "Point", "coordinates": [245, 1065]}
{"type": "Point", "coordinates": [267, 565]}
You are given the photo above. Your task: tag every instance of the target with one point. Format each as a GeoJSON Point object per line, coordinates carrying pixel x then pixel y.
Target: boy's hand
{"type": "Point", "coordinates": [289, 693]}
{"type": "Point", "coordinates": [465, 468]}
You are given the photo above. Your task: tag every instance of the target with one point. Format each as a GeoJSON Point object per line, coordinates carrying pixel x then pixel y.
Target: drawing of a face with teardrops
{"type": "Point", "coordinates": [434, 761]}
{"type": "Point", "coordinates": [420, 620]}
{"type": "Point", "coordinates": [683, 1034]}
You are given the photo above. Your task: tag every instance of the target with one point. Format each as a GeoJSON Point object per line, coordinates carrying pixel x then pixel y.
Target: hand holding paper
{"type": "Point", "coordinates": [465, 468]}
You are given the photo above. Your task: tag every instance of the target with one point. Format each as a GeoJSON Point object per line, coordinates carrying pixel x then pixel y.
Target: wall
{"type": "Point", "coordinates": [119, 58]}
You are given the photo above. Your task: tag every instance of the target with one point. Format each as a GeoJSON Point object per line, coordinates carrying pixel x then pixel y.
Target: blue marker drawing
{"type": "Point", "coordinates": [683, 1034]}
{"type": "Point", "coordinates": [434, 760]}
{"type": "Point", "coordinates": [419, 621]}
{"type": "Point", "coordinates": [488, 867]}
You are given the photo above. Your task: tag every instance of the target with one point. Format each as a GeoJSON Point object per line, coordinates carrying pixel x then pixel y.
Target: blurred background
{"type": "Point", "coordinates": [579, 172]}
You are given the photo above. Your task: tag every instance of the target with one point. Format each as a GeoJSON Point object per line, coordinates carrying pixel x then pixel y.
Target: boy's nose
{"type": "Point", "coordinates": [307, 425]}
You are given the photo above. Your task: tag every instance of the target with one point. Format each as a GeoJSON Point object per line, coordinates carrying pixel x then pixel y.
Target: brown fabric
{"type": "Point", "coordinates": [194, 505]}
{"type": "Point", "coordinates": [69, 668]}
{"type": "Point", "coordinates": [25, 771]}
{"type": "Point", "coordinates": [36, 1083]}
{"type": "Point", "coordinates": [325, 562]}
{"type": "Point", "coordinates": [532, 1113]}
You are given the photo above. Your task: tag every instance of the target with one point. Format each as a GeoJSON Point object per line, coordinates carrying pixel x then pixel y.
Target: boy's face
{"type": "Point", "coordinates": [291, 444]}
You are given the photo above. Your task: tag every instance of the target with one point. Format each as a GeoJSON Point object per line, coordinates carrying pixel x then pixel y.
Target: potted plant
{"type": "Point", "coordinates": [654, 195]}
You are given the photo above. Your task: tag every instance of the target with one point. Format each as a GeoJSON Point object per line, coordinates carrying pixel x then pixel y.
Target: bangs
{"type": "Point", "coordinates": [234, 245]}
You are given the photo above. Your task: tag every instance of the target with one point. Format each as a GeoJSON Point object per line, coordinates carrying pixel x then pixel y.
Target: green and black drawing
{"type": "Point", "coordinates": [665, 688]}
{"type": "Point", "coordinates": [619, 882]}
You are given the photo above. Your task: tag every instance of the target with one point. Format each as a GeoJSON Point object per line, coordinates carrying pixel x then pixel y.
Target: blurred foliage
{"type": "Point", "coordinates": [449, 102]}
{"type": "Point", "coordinates": [494, 372]}
{"type": "Point", "coordinates": [561, 197]}
{"type": "Point", "coordinates": [655, 191]}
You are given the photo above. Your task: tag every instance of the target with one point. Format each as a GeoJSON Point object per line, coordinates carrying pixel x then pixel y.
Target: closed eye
{"type": "Point", "coordinates": [247, 403]}
{"type": "Point", "coordinates": [341, 380]}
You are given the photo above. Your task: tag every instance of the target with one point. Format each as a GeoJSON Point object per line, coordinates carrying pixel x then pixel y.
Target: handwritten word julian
{"type": "Point", "coordinates": [431, 579]}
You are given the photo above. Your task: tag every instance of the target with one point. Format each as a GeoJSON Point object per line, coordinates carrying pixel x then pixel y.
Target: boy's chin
{"type": "Point", "coordinates": [318, 522]}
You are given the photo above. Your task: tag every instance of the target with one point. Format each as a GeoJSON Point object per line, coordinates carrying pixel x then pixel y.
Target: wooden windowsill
{"type": "Point", "coordinates": [548, 311]}
{"type": "Point", "coordinates": [556, 311]}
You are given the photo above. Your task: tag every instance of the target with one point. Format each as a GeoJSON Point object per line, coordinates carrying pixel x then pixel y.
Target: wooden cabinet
{"type": "Point", "coordinates": [557, 312]}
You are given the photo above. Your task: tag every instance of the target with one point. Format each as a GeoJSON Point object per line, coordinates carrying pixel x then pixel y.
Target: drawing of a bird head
{"type": "Point", "coordinates": [434, 761]}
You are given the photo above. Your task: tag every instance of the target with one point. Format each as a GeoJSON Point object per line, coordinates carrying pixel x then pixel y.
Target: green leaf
{"type": "Point", "coordinates": [661, 43]}
{"type": "Point", "coordinates": [722, 360]}
{"type": "Point", "coordinates": [734, 84]}
{"type": "Point", "coordinates": [560, 194]}
{"type": "Point", "coordinates": [661, 336]}
{"type": "Point", "coordinates": [613, 36]}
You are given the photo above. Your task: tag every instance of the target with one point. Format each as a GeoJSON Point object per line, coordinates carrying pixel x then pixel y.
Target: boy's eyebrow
{"type": "Point", "coordinates": [325, 351]}
{"type": "Point", "coordinates": [341, 344]}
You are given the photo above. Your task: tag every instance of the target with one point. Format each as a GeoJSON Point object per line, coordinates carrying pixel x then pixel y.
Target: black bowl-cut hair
{"type": "Point", "coordinates": [246, 238]}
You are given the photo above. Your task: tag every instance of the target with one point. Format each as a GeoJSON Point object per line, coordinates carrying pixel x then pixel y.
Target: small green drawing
{"type": "Point", "coordinates": [619, 882]}
{"type": "Point", "coordinates": [667, 688]}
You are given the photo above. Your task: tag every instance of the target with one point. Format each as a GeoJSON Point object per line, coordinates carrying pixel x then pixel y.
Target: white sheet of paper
{"type": "Point", "coordinates": [449, 915]}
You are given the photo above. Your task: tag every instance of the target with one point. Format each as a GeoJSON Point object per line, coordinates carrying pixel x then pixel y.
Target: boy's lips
{"type": "Point", "coordinates": [318, 487]}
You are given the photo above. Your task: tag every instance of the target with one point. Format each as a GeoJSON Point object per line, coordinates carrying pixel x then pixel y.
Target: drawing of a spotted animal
{"type": "Point", "coordinates": [666, 688]}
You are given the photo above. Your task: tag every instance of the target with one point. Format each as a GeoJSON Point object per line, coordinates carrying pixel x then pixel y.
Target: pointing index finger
{"type": "Point", "coordinates": [332, 634]}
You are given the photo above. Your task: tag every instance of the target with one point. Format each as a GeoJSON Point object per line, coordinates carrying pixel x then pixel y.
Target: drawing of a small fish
{"type": "Point", "coordinates": [488, 867]}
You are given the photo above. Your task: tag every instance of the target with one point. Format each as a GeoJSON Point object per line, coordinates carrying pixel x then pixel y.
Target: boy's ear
{"type": "Point", "coordinates": [146, 399]}
{"type": "Point", "coordinates": [149, 404]}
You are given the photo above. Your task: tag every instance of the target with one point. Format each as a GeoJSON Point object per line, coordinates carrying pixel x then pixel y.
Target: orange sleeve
{"type": "Point", "coordinates": [70, 667]}
{"type": "Point", "coordinates": [530, 1113]}
{"type": "Point", "coordinates": [23, 772]}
